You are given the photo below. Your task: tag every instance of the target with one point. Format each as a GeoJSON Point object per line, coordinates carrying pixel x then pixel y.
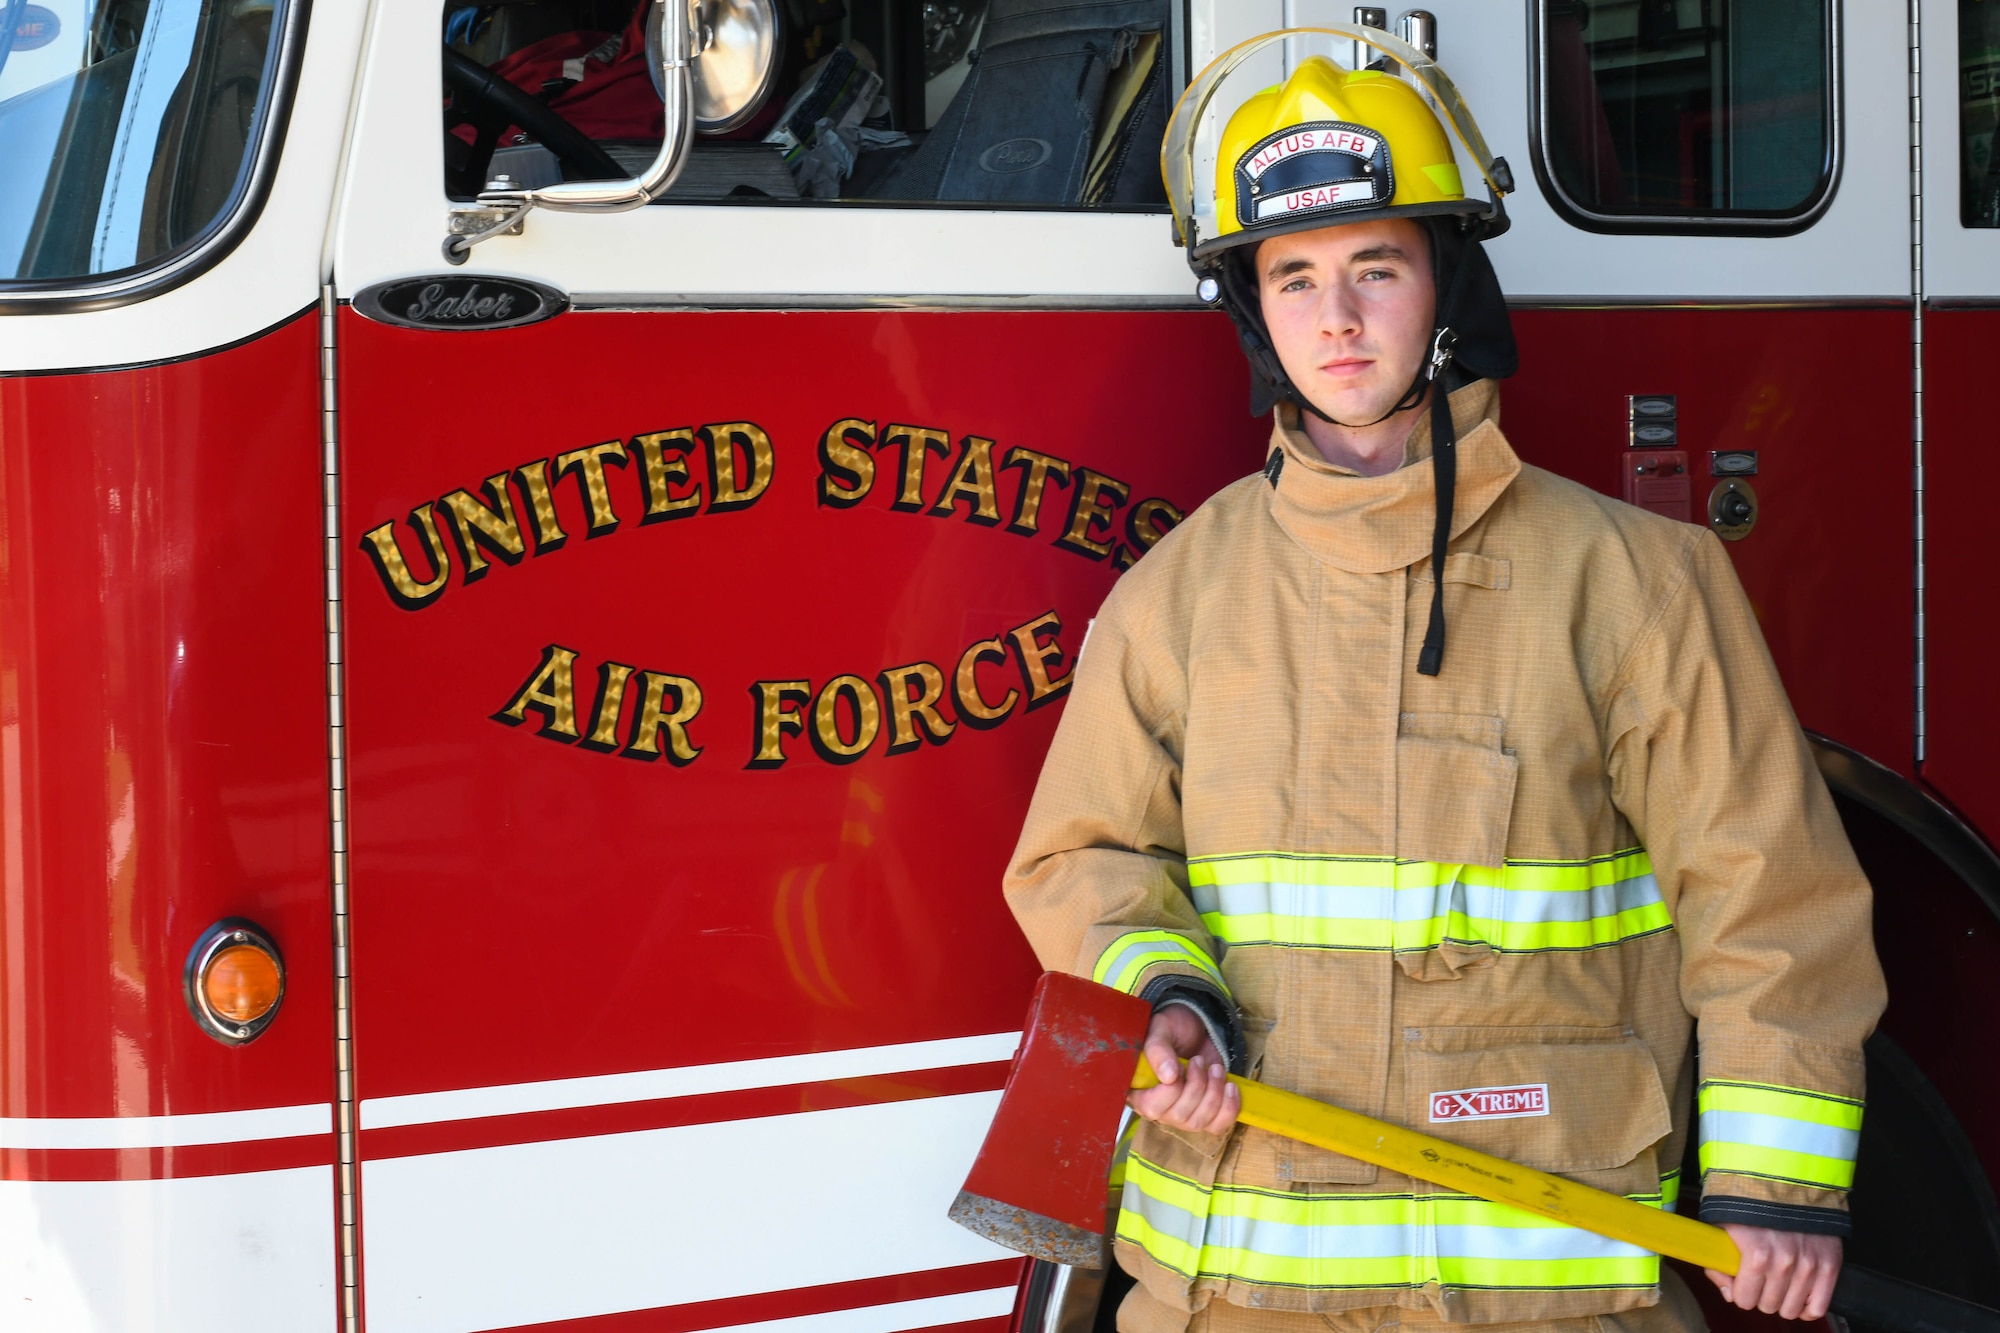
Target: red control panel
{"type": "Point", "coordinates": [1657, 479]}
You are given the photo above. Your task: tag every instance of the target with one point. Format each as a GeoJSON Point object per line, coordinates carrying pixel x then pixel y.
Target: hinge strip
{"type": "Point", "coordinates": [336, 754]}
{"type": "Point", "coordinates": [1917, 361]}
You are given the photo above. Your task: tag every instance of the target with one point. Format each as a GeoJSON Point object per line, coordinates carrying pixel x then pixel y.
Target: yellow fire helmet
{"type": "Point", "coordinates": [1360, 125]}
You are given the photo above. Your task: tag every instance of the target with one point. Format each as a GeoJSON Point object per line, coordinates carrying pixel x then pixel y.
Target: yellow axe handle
{"type": "Point", "coordinates": [1448, 1164]}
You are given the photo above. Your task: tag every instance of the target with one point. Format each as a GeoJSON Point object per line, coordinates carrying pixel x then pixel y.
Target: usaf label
{"type": "Point", "coordinates": [1490, 1103]}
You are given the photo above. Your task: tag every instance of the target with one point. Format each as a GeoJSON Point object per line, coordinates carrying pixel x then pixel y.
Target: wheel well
{"type": "Point", "coordinates": [1923, 1202]}
{"type": "Point", "coordinates": [1856, 779]}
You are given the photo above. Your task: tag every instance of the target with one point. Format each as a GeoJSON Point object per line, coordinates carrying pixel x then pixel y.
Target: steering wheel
{"type": "Point", "coordinates": [482, 99]}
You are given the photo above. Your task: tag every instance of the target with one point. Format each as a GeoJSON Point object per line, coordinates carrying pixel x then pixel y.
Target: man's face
{"type": "Point", "coordinates": [1351, 311]}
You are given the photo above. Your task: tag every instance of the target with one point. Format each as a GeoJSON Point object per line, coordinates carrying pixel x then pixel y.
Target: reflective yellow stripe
{"type": "Point", "coordinates": [1786, 1134]}
{"type": "Point", "coordinates": [1369, 1240]}
{"type": "Point", "coordinates": [1128, 957]}
{"type": "Point", "coordinates": [1380, 903]}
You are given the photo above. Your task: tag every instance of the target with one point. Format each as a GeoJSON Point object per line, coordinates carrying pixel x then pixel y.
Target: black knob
{"type": "Point", "coordinates": [1736, 511]}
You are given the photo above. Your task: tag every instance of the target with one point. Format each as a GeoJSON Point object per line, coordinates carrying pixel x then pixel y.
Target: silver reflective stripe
{"type": "Point", "coordinates": [1226, 1231]}
{"type": "Point", "coordinates": [1145, 952]}
{"type": "Point", "coordinates": [1126, 956]}
{"type": "Point", "coordinates": [1329, 901]}
{"type": "Point", "coordinates": [1532, 1242]}
{"type": "Point", "coordinates": [1423, 902]}
{"type": "Point", "coordinates": [1334, 1241]}
{"type": "Point", "coordinates": [1166, 1218]}
{"type": "Point", "coordinates": [1770, 1131]}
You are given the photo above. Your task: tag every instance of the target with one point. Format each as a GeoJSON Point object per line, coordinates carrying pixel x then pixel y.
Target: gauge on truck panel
{"type": "Point", "coordinates": [1732, 509]}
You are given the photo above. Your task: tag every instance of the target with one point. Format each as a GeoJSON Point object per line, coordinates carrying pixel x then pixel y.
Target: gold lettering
{"type": "Point", "coordinates": [906, 713]}
{"type": "Point", "coordinates": [549, 535]}
{"type": "Point", "coordinates": [774, 718]}
{"type": "Point", "coordinates": [404, 588]}
{"type": "Point", "coordinates": [550, 693]}
{"type": "Point", "coordinates": [1087, 509]}
{"type": "Point", "coordinates": [826, 719]}
{"type": "Point", "coordinates": [972, 480]}
{"type": "Point", "coordinates": [1035, 657]}
{"type": "Point", "coordinates": [662, 471]}
{"type": "Point", "coordinates": [847, 469]}
{"type": "Point", "coordinates": [588, 462]}
{"type": "Point", "coordinates": [973, 710]}
{"type": "Point", "coordinates": [917, 445]}
{"type": "Point", "coordinates": [1035, 480]}
{"type": "Point", "coordinates": [611, 678]}
{"type": "Point", "coordinates": [1143, 532]}
{"type": "Point", "coordinates": [474, 526]}
{"type": "Point", "coordinates": [669, 704]}
{"type": "Point", "coordinates": [724, 479]}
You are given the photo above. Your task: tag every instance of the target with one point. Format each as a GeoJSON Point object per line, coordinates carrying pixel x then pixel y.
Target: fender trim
{"type": "Point", "coordinates": [1909, 807]}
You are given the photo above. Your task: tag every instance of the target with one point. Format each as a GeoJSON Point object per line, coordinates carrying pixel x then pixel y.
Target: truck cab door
{"type": "Point", "coordinates": [701, 643]}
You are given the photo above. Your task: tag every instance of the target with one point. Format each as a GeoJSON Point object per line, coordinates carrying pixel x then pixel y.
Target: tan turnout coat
{"type": "Point", "coordinates": [1527, 881]}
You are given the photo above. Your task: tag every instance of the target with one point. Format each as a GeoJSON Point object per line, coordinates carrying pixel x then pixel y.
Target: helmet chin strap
{"type": "Point", "coordinates": [1427, 372]}
{"type": "Point", "coordinates": [1444, 463]}
{"type": "Point", "coordinates": [1433, 373]}
{"type": "Point", "coordinates": [1412, 397]}
{"type": "Point", "coordinates": [1238, 295]}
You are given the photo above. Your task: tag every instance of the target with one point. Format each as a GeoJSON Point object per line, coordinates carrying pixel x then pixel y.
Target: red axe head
{"type": "Point", "coordinates": [1038, 1183]}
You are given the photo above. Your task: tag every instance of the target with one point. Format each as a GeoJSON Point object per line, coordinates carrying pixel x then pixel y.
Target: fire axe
{"type": "Point", "coordinates": [1038, 1185]}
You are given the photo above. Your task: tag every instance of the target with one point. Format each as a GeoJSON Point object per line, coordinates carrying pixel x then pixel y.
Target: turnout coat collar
{"type": "Point", "coordinates": [1372, 525]}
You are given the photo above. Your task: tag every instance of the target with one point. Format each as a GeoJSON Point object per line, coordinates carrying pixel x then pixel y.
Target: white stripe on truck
{"type": "Point", "coordinates": [424, 1108]}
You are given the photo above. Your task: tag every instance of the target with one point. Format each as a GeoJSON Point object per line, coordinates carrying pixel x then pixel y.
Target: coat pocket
{"type": "Point", "coordinates": [1584, 1103]}
{"type": "Point", "coordinates": [1454, 789]}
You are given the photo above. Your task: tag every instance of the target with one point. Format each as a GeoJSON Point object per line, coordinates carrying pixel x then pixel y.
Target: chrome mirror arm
{"type": "Point", "coordinates": [501, 211]}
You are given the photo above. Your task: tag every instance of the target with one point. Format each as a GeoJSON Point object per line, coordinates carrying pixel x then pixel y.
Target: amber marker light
{"type": "Point", "coordinates": [235, 981]}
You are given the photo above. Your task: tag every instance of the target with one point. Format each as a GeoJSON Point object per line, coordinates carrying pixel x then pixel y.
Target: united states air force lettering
{"type": "Point", "coordinates": [650, 712]}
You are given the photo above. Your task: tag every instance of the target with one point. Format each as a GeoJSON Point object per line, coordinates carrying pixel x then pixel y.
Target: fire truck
{"type": "Point", "coordinates": [542, 544]}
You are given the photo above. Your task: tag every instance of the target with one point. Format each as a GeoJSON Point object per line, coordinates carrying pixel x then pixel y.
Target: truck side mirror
{"type": "Point", "coordinates": [713, 62]}
{"type": "Point", "coordinates": [736, 51]}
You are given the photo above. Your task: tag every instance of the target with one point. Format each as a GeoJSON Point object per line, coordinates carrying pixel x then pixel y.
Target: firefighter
{"type": "Point", "coordinates": [1430, 784]}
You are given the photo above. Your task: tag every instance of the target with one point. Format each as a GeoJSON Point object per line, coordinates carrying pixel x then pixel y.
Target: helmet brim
{"type": "Point", "coordinates": [1180, 150]}
{"type": "Point", "coordinates": [1206, 250]}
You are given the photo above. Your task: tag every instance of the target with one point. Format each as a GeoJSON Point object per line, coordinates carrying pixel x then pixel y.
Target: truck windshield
{"type": "Point", "coordinates": [125, 127]}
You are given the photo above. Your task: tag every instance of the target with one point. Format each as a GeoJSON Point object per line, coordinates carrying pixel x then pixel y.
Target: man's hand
{"type": "Point", "coordinates": [1198, 1098]}
{"type": "Point", "coordinates": [1783, 1273]}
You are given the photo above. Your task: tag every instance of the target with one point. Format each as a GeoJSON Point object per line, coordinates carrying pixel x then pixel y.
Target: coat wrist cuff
{"type": "Point", "coordinates": [1719, 1208]}
{"type": "Point", "coordinates": [1209, 1005]}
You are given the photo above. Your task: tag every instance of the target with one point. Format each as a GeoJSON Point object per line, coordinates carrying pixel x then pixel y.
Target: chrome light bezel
{"type": "Point", "coordinates": [224, 934]}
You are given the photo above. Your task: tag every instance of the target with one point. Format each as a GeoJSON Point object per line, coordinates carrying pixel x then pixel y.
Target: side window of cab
{"type": "Point", "coordinates": [1687, 116]}
{"type": "Point", "coordinates": [136, 138]}
{"type": "Point", "coordinates": [1041, 104]}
